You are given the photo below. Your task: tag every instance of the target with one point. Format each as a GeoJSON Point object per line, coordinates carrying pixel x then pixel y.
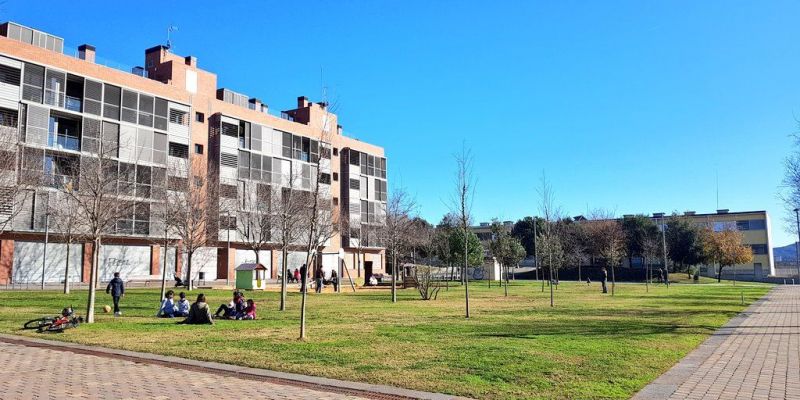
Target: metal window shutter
{"type": "Point", "coordinates": [36, 127]}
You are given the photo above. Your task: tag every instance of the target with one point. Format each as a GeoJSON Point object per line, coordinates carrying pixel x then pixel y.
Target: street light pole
{"type": "Point", "coordinates": [46, 239]}
{"type": "Point", "coordinates": [797, 245]}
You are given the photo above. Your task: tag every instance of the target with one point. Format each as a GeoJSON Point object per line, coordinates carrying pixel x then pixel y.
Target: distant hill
{"type": "Point", "coordinates": [786, 253]}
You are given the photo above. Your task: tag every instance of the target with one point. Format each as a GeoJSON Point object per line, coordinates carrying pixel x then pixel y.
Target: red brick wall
{"type": "Point", "coordinates": [6, 260]}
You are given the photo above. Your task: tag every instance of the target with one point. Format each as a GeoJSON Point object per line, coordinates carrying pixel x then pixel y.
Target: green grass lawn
{"type": "Point", "coordinates": [590, 346]}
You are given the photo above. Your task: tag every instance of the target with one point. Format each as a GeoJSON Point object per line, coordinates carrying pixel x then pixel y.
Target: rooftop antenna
{"type": "Point", "coordinates": [170, 29]}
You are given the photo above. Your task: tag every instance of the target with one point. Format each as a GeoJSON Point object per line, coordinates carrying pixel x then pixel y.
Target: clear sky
{"type": "Point", "coordinates": [630, 106]}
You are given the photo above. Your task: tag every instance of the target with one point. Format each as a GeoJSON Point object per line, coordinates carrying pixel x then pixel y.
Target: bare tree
{"type": "Point", "coordinates": [254, 218]}
{"type": "Point", "coordinates": [99, 204]}
{"type": "Point", "coordinates": [548, 242]}
{"type": "Point", "coordinates": [287, 212]}
{"type": "Point", "coordinates": [66, 220]}
{"type": "Point", "coordinates": [461, 205]}
{"type": "Point", "coordinates": [607, 240]}
{"type": "Point", "coordinates": [15, 185]}
{"type": "Point", "coordinates": [189, 218]}
{"type": "Point", "coordinates": [397, 229]}
{"type": "Point", "coordinates": [320, 224]}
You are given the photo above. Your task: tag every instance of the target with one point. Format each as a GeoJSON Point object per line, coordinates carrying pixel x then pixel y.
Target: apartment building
{"type": "Point", "coordinates": [164, 118]}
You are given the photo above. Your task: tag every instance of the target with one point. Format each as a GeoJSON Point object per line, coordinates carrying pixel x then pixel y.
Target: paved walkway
{"type": "Point", "coordinates": [43, 369]}
{"type": "Point", "coordinates": [755, 356]}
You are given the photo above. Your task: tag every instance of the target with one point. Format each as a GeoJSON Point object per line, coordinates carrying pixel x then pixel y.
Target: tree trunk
{"type": "Point", "coordinates": [506, 281]}
{"type": "Point", "coordinates": [613, 279]}
{"type": "Point", "coordinates": [66, 272]}
{"type": "Point", "coordinates": [394, 276]}
{"type": "Point", "coordinates": [189, 271]}
{"type": "Point", "coordinates": [552, 295]}
{"type": "Point", "coordinates": [93, 272]}
{"type": "Point", "coordinates": [303, 296]}
{"type": "Point", "coordinates": [284, 271]}
{"type": "Point", "coordinates": [258, 258]}
{"type": "Point", "coordinates": [466, 272]}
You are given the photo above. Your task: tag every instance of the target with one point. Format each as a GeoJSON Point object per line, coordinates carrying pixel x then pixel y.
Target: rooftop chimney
{"type": "Point", "coordinates": [190, 61]}
{"type": "Point", "coordinates": [302, 102]}
{"type": "Point", "coordinates": [86, 52]}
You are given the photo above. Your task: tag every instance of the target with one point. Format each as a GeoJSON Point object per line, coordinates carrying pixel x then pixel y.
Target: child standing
{"type": "Point", "coordinates": [117, 290]}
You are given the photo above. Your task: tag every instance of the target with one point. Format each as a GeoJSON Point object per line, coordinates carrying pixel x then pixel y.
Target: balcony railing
{"type": "Point", "coordinates": [73, 104]}
{"type": "Point", "coordinates": [63, 142]}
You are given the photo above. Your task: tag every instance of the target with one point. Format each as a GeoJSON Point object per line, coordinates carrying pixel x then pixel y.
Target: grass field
{"type": "Point", "coordinates": [590, 346]}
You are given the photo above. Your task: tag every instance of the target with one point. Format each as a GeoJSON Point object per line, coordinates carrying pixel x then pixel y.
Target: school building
{"type": "Point", "coordinates": [167, 116]}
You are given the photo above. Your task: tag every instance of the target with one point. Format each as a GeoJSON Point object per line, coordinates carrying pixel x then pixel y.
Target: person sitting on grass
{"type": "Point", "coordinates": [167, 309]}
{"type": "Point", "coordinates": [249, 311]}
{"type": "Point", "coordinates": [199, 312]}
{"type": "Point", "coordinates": [232, 309]}
{"type": "Point", "coordinates": [183, 306]}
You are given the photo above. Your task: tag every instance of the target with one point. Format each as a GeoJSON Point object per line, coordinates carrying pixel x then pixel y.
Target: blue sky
{"type": "Point", "coordinates": [629, 106]}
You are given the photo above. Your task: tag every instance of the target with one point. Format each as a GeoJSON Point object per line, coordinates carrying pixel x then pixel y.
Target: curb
{"type": "Point", "coordinates": [667, 383]}
{"type": "Point", "coordinates": [366, 390]}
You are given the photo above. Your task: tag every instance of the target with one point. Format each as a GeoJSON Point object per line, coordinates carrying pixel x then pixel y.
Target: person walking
{"type": "Point", "coordinates": [604, 279]}
{"type": "Point", "coordinates": [303, 278]}
{"type": "Point", "coordinates": [335, 281]}
{"type": "Point", "coordinates": [318, 280]}
{"type": "Point", "coordinates": [117, 290]}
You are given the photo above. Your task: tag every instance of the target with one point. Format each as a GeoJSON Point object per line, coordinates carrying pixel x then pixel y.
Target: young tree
{"type": "Point", "coordinates": [188, 206]}
{"type": "Point", "coordinates": [642, 239]}
{"type": "Point", "coordinates": [473, 248]}
{"type": "Point", "coordinates": [444, 250]}
{"type": "Point", "coordinates": [574, 243]}
{"type": "Point", "coordinates": [99, 204]}
{"type": "Point", "coordinates": [397, 229]}
{"type": "Point", "coordinates": [286, 210]}
{"type": "Point", "coordinates": [726, 248]}
{"type": "Point", "coordinates": [507, 250]}
{"type": "Point", "coordinates": [548, 243]}
{"type": "Point", "coordinates": [426, 276]}
{"type": "Point", "coordinates": [461, 205]}
{"type": "Point", "coordinates": [66, 220]}
{"type": "Point", "coordinates": [684, 244]}
{"type": "Point", "coordinates": [607, 240]}
{"type": "Point", "coordinates": [525, 230]}
{"type": "Point", "coordinates": [319, 224]}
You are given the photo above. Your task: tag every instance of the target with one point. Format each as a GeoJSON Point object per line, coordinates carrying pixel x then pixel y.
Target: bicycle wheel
{"type": "Point", "coordinates": [38, 323]}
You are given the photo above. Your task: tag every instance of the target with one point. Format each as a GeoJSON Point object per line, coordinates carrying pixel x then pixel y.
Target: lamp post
{"type": "Point", "coordinates": [46, 239]}
{"type": "Point", "coordinates": [797, 245]}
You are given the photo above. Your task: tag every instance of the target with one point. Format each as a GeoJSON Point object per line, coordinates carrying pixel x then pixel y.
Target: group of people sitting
{"type": "Point", "coordinates": [170, 309]}
{"type": "Point", "coordinates": [238, 308]}
{"type": "Point", "coordinates": [200, 313]}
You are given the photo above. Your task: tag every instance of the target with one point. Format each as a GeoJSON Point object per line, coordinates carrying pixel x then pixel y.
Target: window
{"type": "Point", "coordinates": [335, 201]}
{"type": "Point", "coordinates": [355, 184]}
{"type": "Point", "coordinates": [33, 83]}
{"type": "Point", "coordinates": [130, 106]}
{"type": "Point", "coordinates": [111, 100]}
{"type": "Point", "coordinates": [198, 182]}
{"type": "Point", "coordinates": [143, 181]}
{"type": "Point", "coordinates": [161, 114]}
{"type": "Point", "coordinates": [230, 129]}
{"type": "Point", "coordinates": [758, 224]}
{"type": "Point", "coordinates": [178, 117]}
{"type": "Point", "coordinates": [228, 160]}
{"type": "Point", "coordinates": [146, 110]}
{"type": "Point", "coordinates": [178, 150]}
{"type": "Point", "coordinates": [354, 157]}
{"type": "Point", "coordinates": [199, 117]}
{"type": "Point", "coordinates": [325, 178]}
{"type": "Point", "coordinates": [9, 75]}
{"type": "Point", "coordinates": [198, 148]}
{"type": "Point", "coordinates": [64, 133]}
{"type": "Point", "coordinates": [335, 177]}
{"type": "Point", "coordinates": [759, 248]}
{"type": "Point", "coordinates": [335, 151]}
{"type": "Point", "coordinates": [227, 191]}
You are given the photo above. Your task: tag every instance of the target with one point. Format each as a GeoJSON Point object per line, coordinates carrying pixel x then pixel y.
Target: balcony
{"type": "Point", "coordinates": [73, 104]}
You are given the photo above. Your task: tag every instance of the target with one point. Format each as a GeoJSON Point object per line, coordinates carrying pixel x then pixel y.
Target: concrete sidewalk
{"type": "Point", "coordinates": [756, 355]}
{"type": "Point", "coordinates": [56, 370]}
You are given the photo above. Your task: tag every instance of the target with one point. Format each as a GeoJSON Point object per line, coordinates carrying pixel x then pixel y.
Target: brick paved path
{"type": "Point", "coordinates": [755, 356]}
{"type": "Point", "coordinates": [40, 373]}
